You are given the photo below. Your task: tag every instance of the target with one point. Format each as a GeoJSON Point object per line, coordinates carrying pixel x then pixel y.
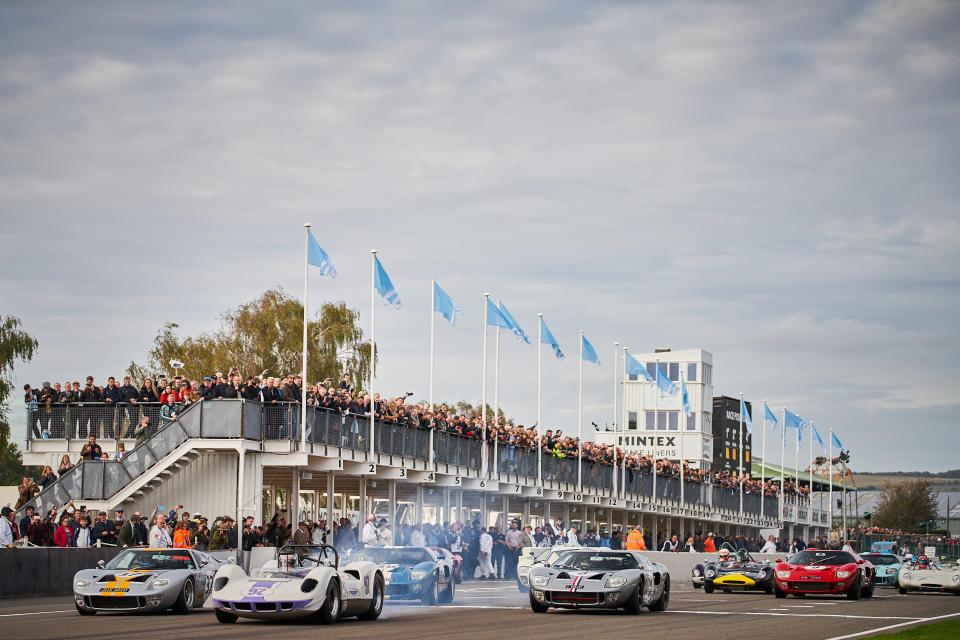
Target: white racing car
{"type": "Point", "coordinates": [927, 575]}
{"type": "Point", "coordinates": [532, 556]}
{"type": "Point", "coordinates": [304, 580]}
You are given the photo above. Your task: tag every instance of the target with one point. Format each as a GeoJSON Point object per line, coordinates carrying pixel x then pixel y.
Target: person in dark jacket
{"type": "Point", "coordinates": [110, 396]}
{"type": "Point", "coordinates": [208, 391]}
{"type": "Point", "coordinates": [129, 398]}
{"type": "Point", "coordinates": [148, 392]}
{"type": "Point", "coordinates": [88, 414]}
{"type": "Point", "coordinates": [104, 530]}
{"type": "Point", "coordinates": [132, 533]}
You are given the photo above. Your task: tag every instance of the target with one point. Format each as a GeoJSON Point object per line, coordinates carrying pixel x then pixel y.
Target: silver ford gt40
{"type": "Point", "coordinates": [600, 579]}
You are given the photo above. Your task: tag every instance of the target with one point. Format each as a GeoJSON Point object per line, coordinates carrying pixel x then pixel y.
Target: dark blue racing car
{"type": "Point", "coordinates": [412, 573]}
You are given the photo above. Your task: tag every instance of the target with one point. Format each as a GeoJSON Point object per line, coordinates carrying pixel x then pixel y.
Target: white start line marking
{"type": "Point", "coordinates": [894, 626]}
{"type": "Point", "coordinates": [795, 615]}
{"type": "Point", "coordinates": [36, 613]}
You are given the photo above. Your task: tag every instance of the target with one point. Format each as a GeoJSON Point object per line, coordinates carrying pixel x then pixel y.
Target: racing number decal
{"type": "Point", "coordinates": [516, 489]}
{"type": "Point", "coordinates": [373, 468]}
{"type": "Point", "coordinates": [483, 484]}
{"type": "Point", "coordinates": [403, 473]}
{"type": "Point", "coordinates": [456, 481]}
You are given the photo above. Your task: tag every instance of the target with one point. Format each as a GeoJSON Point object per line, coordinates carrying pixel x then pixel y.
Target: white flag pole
{"type": "Point", "coordinates": [496, 399]}
{"type": "Point", "coordinates": [623, 422]}
{"type": "Point", "coordinates": [306, 293]}
{"type": "Point", "coordinates": [483, 393]}
{"type": "Point", "coordinates": [830, 471]}
{"type": "Point", "coordinates": [796, 466]}
{"type": "Point", "coordinates": [763, 460]}
{"type": "Point", "coordinates": [783, 444]}
{"type": "Point", "coordinates": [580, 422]}
{"type": "Point", "coordinates": [810, 481]}
{"type": "Point", "coordinates": [740, 481]}
{"type": "Point", "coordinates": [616, 446]}
{"type": "Point", "coordinates": [656, 425]}
{"type": "Point", "coordinates": [539, 399]}
{"type": "Point", "coordinates": [373, 349]}
{"type": "Point", "coordinates": [433, 313]}
{"type": "Point", "coordinates": [681, 423]}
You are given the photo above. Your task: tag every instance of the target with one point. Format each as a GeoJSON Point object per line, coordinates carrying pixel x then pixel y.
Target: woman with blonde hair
{"type": "Point", "coordinates": [65, 464]}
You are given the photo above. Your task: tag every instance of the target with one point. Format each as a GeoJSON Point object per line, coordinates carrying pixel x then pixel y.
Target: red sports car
{"type": "Point", "coordinates": [827, 572]}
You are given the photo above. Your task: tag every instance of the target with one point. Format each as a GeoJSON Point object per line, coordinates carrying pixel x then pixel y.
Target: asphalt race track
{"type": "Point", "coordinates": [489, 609]}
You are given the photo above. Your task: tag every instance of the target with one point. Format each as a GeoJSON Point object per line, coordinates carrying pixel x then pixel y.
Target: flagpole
{"type": "Point", "coordinates": [483, 393]}
{"type": "Point", "coordinates": [763, 460]}
{"type": "Point", "coordinates": [623, 421]}
{"type": "Point", "coordinates": [306, 293]}
{"type": "Point", "coordinates": [433, 313]}
{"type": "Point", "coordinates": [580, 423]}
{"type": "Point", "coordinates": [810, 481]}
{"type": "Point", "coordinates": [656, 425]}
{"type": "Point", "coordinates": [683, 430]}
{"type": "Point", "coordinates": [539, 399]}
{"type": "Point", "coordinates": [830, 471]}
{"type": "Point", "coordinates": [373, 348]}
{"type": "Point", "coordinates": [616, 485]}
{"type": "Point", "coordinates": [783, 443]}
{"type": "Point", "coordinates": [740, 482]}
{"type": "Point", "coordinates": [496, 399]}
{"type": "Point", "coordinates": [796, 462]}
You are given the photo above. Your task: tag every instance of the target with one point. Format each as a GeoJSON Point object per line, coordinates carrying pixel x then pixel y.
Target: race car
{"type": "Point", "coordinates": [413, 573]}
{"type": "Point", "coordinates": [595, 578]}
{"type": "Point", "coordinates": [146, 580]}
{"type": "Point", "coordinates": [825, 572]}
{"type": "Point", "coordinates": [303, 580]}
{"type": "Point", "coordinates": [455, 558]}
{"type": "Point", "coordinates": [926, 575]}
{"type": "Point", "coordinates": [531, 556]}
{"type": "Point", "coordinates": [887, 565]}
{"type": "Point", "coordinates": [735, 571]}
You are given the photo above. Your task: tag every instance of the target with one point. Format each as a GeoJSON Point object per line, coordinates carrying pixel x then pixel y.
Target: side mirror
{"type": "Point", "coordinates": [778, 560]}
{"type": "Point", "coordinates": [232, 560]}
{"type": "Point", "coordinates": [101, 564]}
{"type": "Point", "coordinates": [859, 560]}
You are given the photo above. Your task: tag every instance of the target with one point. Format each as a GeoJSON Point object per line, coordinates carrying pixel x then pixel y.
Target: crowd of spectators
{"type": "Point", "coordinates": [137, 412]}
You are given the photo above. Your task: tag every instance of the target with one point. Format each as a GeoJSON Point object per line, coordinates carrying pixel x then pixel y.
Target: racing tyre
{"type": "Point", "coordinates": [447, 596]}
{"type": "Point", "coordinates": [430, 597]}
{"type": "Point", "coordinates": [536, 606]}
{"type": "Point", "coordinates": [330, 611]}
{"type": "Point", "coordinates": [854, 592]}
{"type": "Point", "coordinates": [85, 612]}
{"type": "Point", "coordinates": [778, 592]}
{"type": "Point", "coordinates": [771, 586]}
{"type": "Point", "coordinates": [635, 605]}
{"type": "Point", "coordinates": [903, 590]}
{"type": "Point", "coordinates": [664, 599]}
{"type": "Point", "coordinates": [868, 592]}
{"type": "Point", "coordinates": [226, 617]}
{"type": "Point", "coordinates": [376, 603]}
{"type": "Point", "coordinates": [708, 587]}
{"type": "Point", "coordinates": [184, 603]}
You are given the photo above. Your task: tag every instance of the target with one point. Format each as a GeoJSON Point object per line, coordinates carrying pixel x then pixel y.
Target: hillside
{"type": "Point", "coordinates": [944, 481]}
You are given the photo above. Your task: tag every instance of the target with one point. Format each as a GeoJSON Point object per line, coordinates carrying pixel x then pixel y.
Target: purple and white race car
{"type": "Point", "coordinates": [302, 581]}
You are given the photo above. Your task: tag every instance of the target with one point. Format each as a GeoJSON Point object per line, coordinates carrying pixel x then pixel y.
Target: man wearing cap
{"type": "Point", "coordinates": [368, 535]}
{"type": "Point", "coordinates": [159, 536]}
{"type": "Point", "coordinates": [118, 520]}
{"type": "Point", "coordinates": [8, 534]}
{"type": "Point", "coordinates": [207, 391]}
{"type": "Point", "coordinates": [104, 530]}
{"type": "Point", "coordinates": [301, 536]}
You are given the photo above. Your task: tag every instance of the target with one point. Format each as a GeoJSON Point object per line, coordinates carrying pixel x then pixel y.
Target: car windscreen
{"type": "Point", "coordinates": [152, 559]}
{"type": "Point", "coordinates": [826, 558]}
{"type": "Point", "coordinates": [593, 561]}
{"type": "Point", "coordinates": [386, 555]}
{"type": "Point", "coordinates": [881, 559]}
{"type": "Point", "coordinates": [542, 555]}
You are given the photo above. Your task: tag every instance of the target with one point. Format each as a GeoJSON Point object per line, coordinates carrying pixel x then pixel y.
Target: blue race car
{"type": "Point", "coordinates": [888, 567]}
{"type": "Point", "coordinates": [412, 573]}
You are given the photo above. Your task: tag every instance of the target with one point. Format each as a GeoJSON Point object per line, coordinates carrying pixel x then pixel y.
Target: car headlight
{"type": "Point", "coordinates": [783, 574]}
{"type": "Point", "coordinates": [81, 583]}
{"type": "Point", "coordinates": [843, 574]}
{"type": "Point", "coordinates": [540, 581]}
{"type": "Point", "coordinates": [906, 575]}
{"type": "Point", "coordinates": [616, 581]}
{"type": "Point", "coordinates": [711, 573]}
{"type": "Point", "coordinates": [956, 578]}
{"type": "Point", "coordinates": [696, 573]}
{"type": "Point", "coordinates": [418, 575]}
{"type": "Point", "coordinates": [523, 570]}
{"type": "Point", "coordinates": [160, 582]}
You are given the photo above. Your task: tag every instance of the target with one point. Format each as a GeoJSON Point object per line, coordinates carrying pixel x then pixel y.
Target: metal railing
{"type": "Point", "coordinates": [80, 420]}
{"type": "Point", "coordinates": [228, 418]}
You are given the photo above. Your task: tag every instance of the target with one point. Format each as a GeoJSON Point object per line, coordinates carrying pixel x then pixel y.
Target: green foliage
{"type": "Point", "coordinates": [267, 333]}
{"type": "Point", "coordinates": [904, 506]}
{"type": "Point", "coordinates": [15, 345]}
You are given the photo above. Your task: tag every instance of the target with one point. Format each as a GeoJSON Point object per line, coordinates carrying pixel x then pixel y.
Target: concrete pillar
{"type": "Point", "coordinates": [461, 516]}
{"type": "Point", "coordinates": [654, 529]}
{"type": "Point", "coordinates": [484, 518]}
{"type": "Point", "coordinates": [566, 515]}
{"type": "Point", "coordinates": [364, 508]}
{"type": "Point", "coordinates": [419, 513]}
{"type": "Point", "coordinates": [392, 496]}
{"type": "Point", "coordinates": [526, 511]}
{"type": "Point", "coordinates": [546, 512]}
{"type": "Point", "coordinates": [295, 499]}
{"type": "Point", "coordinates": [446, 507]}
{"type": "Point", "coordinates": [331, 492]}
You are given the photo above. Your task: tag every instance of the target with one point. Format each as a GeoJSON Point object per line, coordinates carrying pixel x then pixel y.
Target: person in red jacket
{"type": "Point", "coordinates": [63, 536]}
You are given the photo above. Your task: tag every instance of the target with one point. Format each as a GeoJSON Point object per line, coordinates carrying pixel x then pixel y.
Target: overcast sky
{"type": "Point", "coordinates": [773, 182]}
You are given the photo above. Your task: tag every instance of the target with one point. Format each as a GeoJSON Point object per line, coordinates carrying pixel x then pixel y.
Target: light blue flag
{"type": "Point", "coordinates": [769, 415]}
{"type": "Point", "coordinates": [799, 439]}
{"type": "Point", "coordinates": [634, 368]}
{"type": "Point", "coordinates": [444, 304]}
{"type": "Point", "coordinates": [381, 281]}
{"type": "Point", "coordinates": [793, 420]}
{"type": "Point", "coordinates": [589, 353]}
{"type": "Point", "coordinates": [816, 436]}
{"type": "Point", "coordinates": [547, 338]}
{"type": "Point", "coordinates": [495, 318]}
{"type": "Point", "coordinates": [666, 385]}
{"type": "Point", "coordinates": [318, 257]}
{"type": "Point", "coordinates": [686, 398]}
{"type": "Point", "coordinates": [836, 441]}
{"type": "Point", "coordinates": [746, 416]}
{"type": "Point", "coordinates": [514, 325]}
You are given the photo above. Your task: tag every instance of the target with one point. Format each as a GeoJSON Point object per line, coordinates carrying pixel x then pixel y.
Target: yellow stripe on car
{"type": "Point", "coordinates": [735, 580]}
{"type": "Point", "coordinates": [121, 585]}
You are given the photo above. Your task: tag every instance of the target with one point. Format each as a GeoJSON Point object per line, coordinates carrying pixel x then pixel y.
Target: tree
{"type": "Point", "coordinates": [904, 506]}
{"type": "Point", "coordinates": [14, 345]}
{"type": "Point", "coordinates": [267, 334]}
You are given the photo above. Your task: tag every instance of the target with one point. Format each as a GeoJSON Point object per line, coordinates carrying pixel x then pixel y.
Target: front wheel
{"type": "Point", "coordinates": [664, 599]}
{"type": "Point", "coordinates": [86, 612]}
{"type": "Point", "coordinates": [868, 592]}
{"type": "Point", "coordinates": [536, 606]}
{"type": "Point", "coordinates": [853, 593]}
{"type": "Point", "coordinates": [635, 605]}
{"type": "Point", "coordinates": [184, 603]}
{"type": "Point", "coordinates": [226, 617]}
{"type": "Point", "coordinates": [432, 595]}
{"type": "Point", "coordinates": [447, 596]}
{"type": "Point", "coordinates": [330, 610]}
{"type": "Point", "coordinates": [778, 592]}
{"type": "Point", "coordinates": [904, 591]}
{"type": "Point", "coordinates": [708, 587]}
{"type": "Point", "coordinates": [376, 603]}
